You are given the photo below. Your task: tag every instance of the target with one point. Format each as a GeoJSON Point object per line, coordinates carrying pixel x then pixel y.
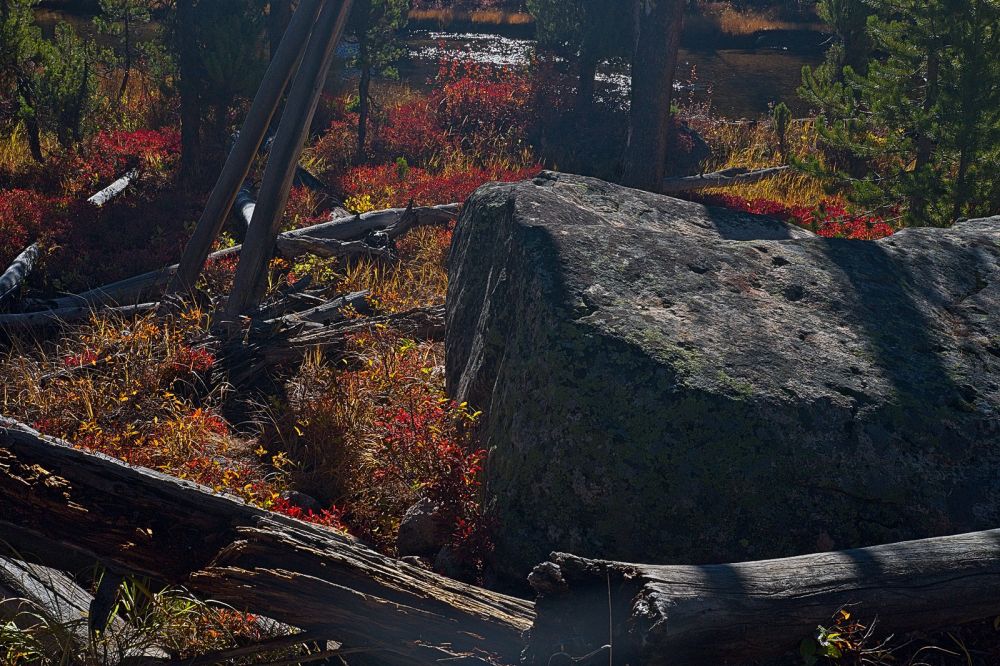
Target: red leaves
{"type": "Point", "coordinates": [331, 517]}
{"type": "Point", "coordinates": [388, 188]}
{"type": "Point", "coordinates": [829, 219]}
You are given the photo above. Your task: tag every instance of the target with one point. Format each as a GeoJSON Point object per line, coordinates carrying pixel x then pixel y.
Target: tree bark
{"type": "Point", "coordinates": [285, 61]}
{"type": "Point", "coordinates": [620, 613]}
{"type": "Point", "coordinates": [303, 97]}
{"type": "Point", "coordinates": [30, 119]}
{"type": "Point", "coordinates": [140, 522]}
{"type": "Point", "coordinates": [278, 19]}
{"type": "Point", "coordinates": [658, 32]}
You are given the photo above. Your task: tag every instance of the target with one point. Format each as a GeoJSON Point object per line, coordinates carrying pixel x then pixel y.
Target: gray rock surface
{"type": "Point", "coordinates": [423, 530]}
{"type": "Point", "coordinates": [669, 382]}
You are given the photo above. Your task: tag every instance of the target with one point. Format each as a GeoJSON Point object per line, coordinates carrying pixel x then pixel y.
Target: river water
{"type": "Point", "coordinates": [739, 83]}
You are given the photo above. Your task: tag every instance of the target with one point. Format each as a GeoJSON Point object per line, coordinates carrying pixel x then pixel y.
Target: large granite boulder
{"type": "Point", "coordinates": [664, 381]}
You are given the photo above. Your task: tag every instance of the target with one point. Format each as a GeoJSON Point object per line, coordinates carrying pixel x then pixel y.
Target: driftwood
{"type": "Point", "coordinates": [148, 285]}
{"type": "Point", "coordinates": [14, 277]}
{"type": "Point", "coordinates": [59, 504]}
{"type": "Point", "coordinates": [617, 613]}
{"type": "Point", "coordinates": [283, 159]}
{"type": "Point", "coordinates": [114, 189]}
{"type": "Point", "coordinates": [286, 60]}
{"type": "Point", "coordinates": [724, 178]}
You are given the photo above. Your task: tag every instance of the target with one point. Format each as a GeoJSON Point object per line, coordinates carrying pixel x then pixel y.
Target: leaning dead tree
{"type": "Point", "coordinates": [67, 508]}
{"type": "Point", "coordinates": [284, 62]}
{"type": "Point", "coordinates": [303, 97]}
{"type": "Point", "coordinates": [618, 613]}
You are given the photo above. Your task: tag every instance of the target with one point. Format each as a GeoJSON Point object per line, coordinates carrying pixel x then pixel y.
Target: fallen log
{"type": "Point", "coordinates": [328, 248]}
{"type": "Point", "coordinates": [15, 275]}
{"type": "Point", "coordinates": [34, 597]}
{"type": "Point", "coordinates": [724, 178]}
{"type": "Point", "coordinates": [56, 500]}
{"type": "Point", "coordinates": [619, 613]}
{"type": "Point", "coordinates": [60, 316]}
{"type": "Point", "coordinates": [149, 284]}
{"type": "Point", "coordinates": [326, 313]}
{"type": "Point", "coordinates": [113, 190]}
{"type": "Point", "coordinates": [241, 362]}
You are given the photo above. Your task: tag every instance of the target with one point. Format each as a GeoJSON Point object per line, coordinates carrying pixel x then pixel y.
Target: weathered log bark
{"type": "Point", "coordinates": [113, 190]}
{"type": "Point", "coordinates": [15, 275]}
{"type": "Point", "coordinates": [735, 613]}
{"type": "Point", "coordinates": [344, 229]}
{"type": "Point", "coordinates": [248, 284]}
{"type": "Point", "coordinates": [327, 313]}
{"type": "Point", "coordinates": [724, 178]}
{"type": "Point", "coordinates": [241, 362]}
{"type": "Point", "coordinates": [285, 60]}
{"type": "Point", "coordinates": [31, 594]}
{"type": "Point", "coordinates": [328, 249]}
{"type": "Point", "coordinates": [141, 522]}
{"type": "Point", "coordinates": [60, 316]}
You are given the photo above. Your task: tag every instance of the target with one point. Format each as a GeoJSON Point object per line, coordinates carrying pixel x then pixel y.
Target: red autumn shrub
{"type": "Point", "coordinates": [337, 146]}
{"type": "Point", "coordinates": [829, 219]}
{"type": "Point", "coordinates": [332, 517]}
{"type": "Point", "coordinates": [412, 131]}
{"type": "Point", "coordinates": [109, 155]}
{"type": "Point", "coordinates": [389, 186]}
{"type": "Point", "coordinates": [23, 214]}
{"type": "Point", "coordinates": [486, 109]}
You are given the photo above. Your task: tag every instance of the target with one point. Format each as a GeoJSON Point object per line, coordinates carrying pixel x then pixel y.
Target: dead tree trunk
{"type": "Point", "coordinates": [12, 278]}
{"type": "Point", "coordinates": [724, 178]}
{"type": "Point", "coordinates": [619, 613]}
{"type": "Point", "coordinates": [285, 61]}
{"type": "Point", "coordinates": [58, 503]}
{"type": "Point", "coordinates": [284, 157]}
{"type": "Point", "coordinates": [657, 34]}
{"type": "Point", "coordinates": [114, 189]}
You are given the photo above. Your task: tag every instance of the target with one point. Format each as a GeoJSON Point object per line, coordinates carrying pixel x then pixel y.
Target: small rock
{"type": "Point", "coordinates": [422, 562]}
{"type": "Point", "coordinates": [301, 500]}
{"type": "Point", "coordinates": [423, 530]}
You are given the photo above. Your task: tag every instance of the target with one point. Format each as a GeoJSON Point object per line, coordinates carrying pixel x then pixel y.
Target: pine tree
{"type": "Point", "coordinates": [376, 25]}
{"type": "Point", "coordinates": [920, 127]}
{"type": "Point", "coordinates": [121, 19]}
{"type": "Point", "coordinates": [20, 42]}
{"type": "Point", "coordinates": [67, 85]}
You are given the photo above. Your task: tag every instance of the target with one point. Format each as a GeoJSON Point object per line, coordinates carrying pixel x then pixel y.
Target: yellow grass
{"type": "Point", "coordinates": [723, 18]}
{"type": "Point", "coordinates": [494, 17]}
{"type": "Point", "coordinates": [754, 145]}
